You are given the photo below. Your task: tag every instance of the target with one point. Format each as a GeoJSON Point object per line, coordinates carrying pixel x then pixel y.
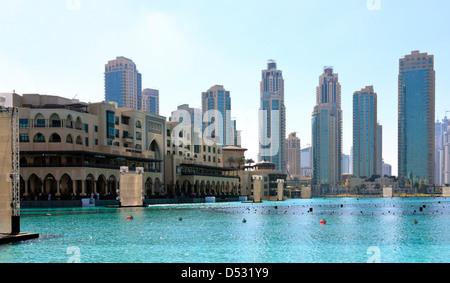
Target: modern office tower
{"type": "Point", "coordinates": [293, 156]}
{"type": "Point", "coordinates": [306, 161]}
{"type": "Point", "coordinates": [123, 84]}
{"type": "Point", "coordinates": [345, 164]}
{"type": "Point", "coordinates": [439, 158]}
{"type": "Point", "coordinates": [216, 108]}
{"type": "Point", "coordinates": [351, 161]}
{"type": "Point", "coordinates": [445, 157]}
{"type": "Point", "coordinates": [327, 132]}
{"type": "Point", "coordinates": [272, 117]}
{"type": "Point", "coordinates": [379, 170]}
{"type": "Point", "coordinates": [365, 130]}
{"type": "Point", "coordinates": [150, 101]}
{"type": "Point", "coordinates": [416, 108]}
{"type": "Point", "coordinates": [387, 170]}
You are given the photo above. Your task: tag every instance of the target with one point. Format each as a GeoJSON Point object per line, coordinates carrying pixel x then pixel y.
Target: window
{"type": "Point", "coordinates": [110, 125]}
{"type": "Point", "coordinates": [24, 137]}
{"type": "Point", "coordinates": [109, 142]}
{"type": "Point", "coordinates": [23, 123]}
{"type": "Point", "coordinates": [96, 141]}
{"type": "Point", "coordinates": [86, 142]}
{"type": "Point", "coordinates": [96, 129]}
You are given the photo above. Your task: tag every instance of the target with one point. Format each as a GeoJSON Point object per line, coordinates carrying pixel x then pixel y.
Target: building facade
{"type": "Point", "coordinates": [416, 108]}
{"type": "Point", "coordinates": [327, 132]}
{"type": "Point", "coordinates": [441, 130]}
{"type": "Point", "coordinates": [70, 149]}
{"type": "Point", "coordinates": [293, 156]}
{"type": "Point", "coordinates": [196, 169]}
{"type": "Point", "coordinates": [216, 108]}
{"type": "Point", "coordinates": [365, 133]}
{"type": "Point", "coordinates": [123, 83]}
{"type": "Point", "coordinates": [150, 101]}
{"type": "Point", "coordinates": [272, 117]}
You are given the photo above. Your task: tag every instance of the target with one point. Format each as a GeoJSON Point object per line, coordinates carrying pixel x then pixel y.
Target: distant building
{"type": "Point", "coordinates": [327, 132]}
{"type": "Point", "coordinates": [416, 132]}
{"type": "Point", "coordinates": [272, 117]}
{"type": "Point", "coordinates": [345, 164]}
{"type": "Point", "coordinates": [216, 108]}
{"type": "Point", "coordinates": [123, 83]}
{"type": "Point", "coordinates": [150, 101]}
{"type": "Point", "coordinates": [293, 156]}
{"type": "Point", "coordinates": [387, 170]}
{"type": "Point", "coordinates": [365, 132]}
{"type": "Point", "coordinates": [441, 132]}
{"type": "Point", "coordinates": [306, 162]}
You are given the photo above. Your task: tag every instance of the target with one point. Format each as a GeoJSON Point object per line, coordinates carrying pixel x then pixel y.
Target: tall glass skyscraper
{"type": "Point", "coordinates": [272, 117]}
{"type": "Point", "coordinates": [123, 83]}
{"type": "Point", "coordinates": [327, 132]}
{"type": "Point", "coordinates": [150, 100]}
{"type": "Point", "coordinates": [416, 108]}
{"type": "Point", "coordinates": [216, 108]}
{"type": "Point", "coordinates": [365, 133]}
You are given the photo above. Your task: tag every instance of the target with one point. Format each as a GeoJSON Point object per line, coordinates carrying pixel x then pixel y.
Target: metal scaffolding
{"type": "Point", "coordinates": [15, 168]}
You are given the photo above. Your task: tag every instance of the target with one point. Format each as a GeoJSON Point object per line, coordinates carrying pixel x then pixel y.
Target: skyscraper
{"type": "Point", "coordinates": [272, 117]}
{"type": "Point", "coordinates": [365, 132]}
{"type": "Point", "coordinates": [327, 132]}
{"type": "Point", "coordinates": [379, 170]}
{"type": "Point", "coordinates": [150, 101]}
{"type": "Point", "coordinates": [123, 83]}
{"type": "Point", "coordinates": [293, 156]}
{"type": "Point", "coordinates": [416, 107]}
{"type": "Point", "coordinates": [216, 108]}
{"type": "Point", "coordinates": [441, 129]}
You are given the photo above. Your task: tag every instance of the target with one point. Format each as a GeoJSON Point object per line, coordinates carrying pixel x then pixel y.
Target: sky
{"type": "Point", "coordinates": [182, 48]}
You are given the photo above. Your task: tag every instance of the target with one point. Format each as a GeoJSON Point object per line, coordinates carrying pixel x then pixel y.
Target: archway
{"type": "Point", "coordinates": [149, 187]}
{"type": "Point", "coordinates": [66, 186]}
{"type": "Point", "coordinates": [50, 186]}
{"type": "Point", "coordinates": [90, 184]}
{"type": "Point", "coordinates": [101, 185]}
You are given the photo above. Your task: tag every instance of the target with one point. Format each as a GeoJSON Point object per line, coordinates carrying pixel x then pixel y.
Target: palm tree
{"type": "Point", "coordinates": [249, 161]}
{"type": "Point", "coordinates": [231, 160]}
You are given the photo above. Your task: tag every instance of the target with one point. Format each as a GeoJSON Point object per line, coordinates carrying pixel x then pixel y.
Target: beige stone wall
{"type": "Point", "coordinates": [5, 180]}
{"type": "Point", "coordinates": [131, 190]}
{"type": "Point", "coordinates": [446, 192]}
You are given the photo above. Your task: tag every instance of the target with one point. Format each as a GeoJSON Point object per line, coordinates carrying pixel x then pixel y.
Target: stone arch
{"type": "Point", "coordinates": [69, 138]}
{"type": "Point", "coordinates": [149, 187]}
{"type": "Point", "coordinates": [55, 121]}
{"type": "Point", "coordinates": [34, 185]}
{"type": "Point", "coordinates": [39, 138]}
{"type": "Point", "coordinates": [55, 138]}
{"type": "Point", "coordinates": [69, 121]}
{"type": "Point", "coordinates": [101, 185]}
{"type": "Point", "coordinates": [66, 187]}
{"type": "Point", "coordinates": [50, 185]}
{"type": "Point", "coordinates": [89, 184]}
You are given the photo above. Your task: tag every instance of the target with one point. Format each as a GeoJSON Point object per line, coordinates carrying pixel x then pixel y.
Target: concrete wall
{"type": "Point", "coordinates": [131, 190]}
{"type": "Point", "coordinates": [446, 192]}
{"type": "Point", "coordinates": [5, 179]}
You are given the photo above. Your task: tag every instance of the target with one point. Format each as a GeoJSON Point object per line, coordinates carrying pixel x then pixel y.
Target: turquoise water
{"type": "Point", "coordinates": [359, 231]}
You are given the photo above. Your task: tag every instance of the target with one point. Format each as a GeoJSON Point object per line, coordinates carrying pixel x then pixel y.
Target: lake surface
{"type": "Point", "coordinates": [356, 231]}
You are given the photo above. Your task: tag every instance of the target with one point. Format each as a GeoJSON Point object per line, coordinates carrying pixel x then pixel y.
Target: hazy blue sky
{"type": "Point", "coordinates": [184, 47]}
